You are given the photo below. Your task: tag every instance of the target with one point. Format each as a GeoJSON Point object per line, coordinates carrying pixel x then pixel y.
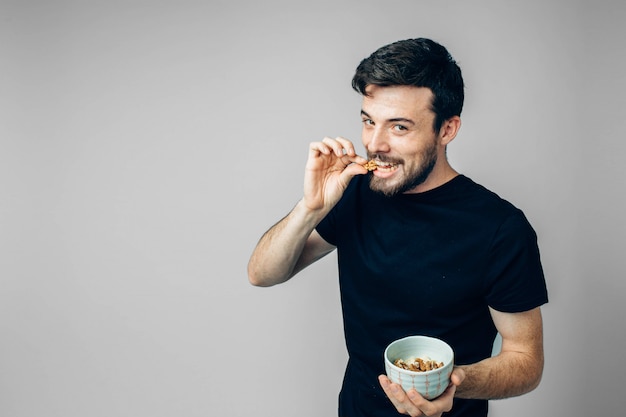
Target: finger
{"type": "Point", "coordinates": [446, 399]}
{"type": "Point", "coordinates": [421, 404]}
{"type": "Point", "coordinates": [349, 151]}
{"type": "Point", "coordinates": [333, 144]}
{"type": "Point", "coordinates": [435, 407]}
{"type": "Point", "coordinates": [391, 392]}
{"type": "Point", "coordinates": [347, 145]}
{"type": "Point", "coordinates": [458, 375]}
{"type": "Point", "coordinates": [341, 146]}
{"type": "Point", "coordinates": [356, 163]}
{"type": "Point", "coordinates": [398, 397]}
{"type": "Point", "coordinates": [357, 159]}
{"type": "Point", "coordinates": [316, 148]}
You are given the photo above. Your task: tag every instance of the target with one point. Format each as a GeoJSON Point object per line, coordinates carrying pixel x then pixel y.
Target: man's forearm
{"type": "Point", "coordinates": [508, 374]}
{"type": "Point", "coordinates": [277, 256]}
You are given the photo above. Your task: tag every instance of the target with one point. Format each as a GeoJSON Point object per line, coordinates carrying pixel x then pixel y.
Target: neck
{"type": "Point", "coordinates": [441, 174]}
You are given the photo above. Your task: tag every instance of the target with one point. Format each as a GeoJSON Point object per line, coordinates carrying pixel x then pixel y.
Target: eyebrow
{"type": "Point", "coordinates": [393, 120]}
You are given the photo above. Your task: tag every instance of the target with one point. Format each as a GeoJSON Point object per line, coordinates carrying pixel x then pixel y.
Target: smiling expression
{"type": "Point", "coordinates": [398, 134]}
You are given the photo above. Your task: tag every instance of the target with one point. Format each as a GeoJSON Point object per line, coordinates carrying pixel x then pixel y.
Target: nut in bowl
{"type": "Point", "coordinates": [437, 353]}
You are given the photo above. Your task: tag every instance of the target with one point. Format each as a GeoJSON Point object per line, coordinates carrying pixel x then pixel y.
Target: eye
{"type": "Point", "coordinates": [399, 128]}
{"type": "Point", "coordinates": [368, 122]}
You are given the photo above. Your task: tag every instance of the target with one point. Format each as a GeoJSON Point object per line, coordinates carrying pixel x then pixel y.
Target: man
{"type": "Point", "coordinates": [422, 249]}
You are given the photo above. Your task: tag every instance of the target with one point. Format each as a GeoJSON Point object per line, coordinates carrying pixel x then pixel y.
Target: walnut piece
{"type": "Point", "coordinates": [418, 364]}
{"type": "Point", "coordinates": [370, 165]}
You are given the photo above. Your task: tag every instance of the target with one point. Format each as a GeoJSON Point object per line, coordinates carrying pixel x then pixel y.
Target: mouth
{"type": "Point", "coordinates": [385, 167]}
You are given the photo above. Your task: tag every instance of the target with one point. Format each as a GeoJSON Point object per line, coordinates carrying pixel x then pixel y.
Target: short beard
{"type": "Point", "coordinates": [416, 178]}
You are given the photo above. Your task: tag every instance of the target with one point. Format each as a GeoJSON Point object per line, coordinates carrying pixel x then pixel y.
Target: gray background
{"type": "Point", "coordinates": [146, 146]}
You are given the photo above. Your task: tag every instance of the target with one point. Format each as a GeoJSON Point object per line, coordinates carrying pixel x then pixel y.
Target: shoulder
{"type": "Point", "coordinates": [488, 201]}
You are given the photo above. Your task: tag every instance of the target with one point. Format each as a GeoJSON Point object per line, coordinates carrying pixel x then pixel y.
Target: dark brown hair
{"type": "Point", "coordinates": [418, 62]}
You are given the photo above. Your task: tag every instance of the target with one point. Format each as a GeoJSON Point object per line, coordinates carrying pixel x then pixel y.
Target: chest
{"type": "Point", "coordinates": [434, 255]}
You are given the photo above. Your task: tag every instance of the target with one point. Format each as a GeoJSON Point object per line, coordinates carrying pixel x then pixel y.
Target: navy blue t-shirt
{"type": "Point", "coordinates": [427, 264]}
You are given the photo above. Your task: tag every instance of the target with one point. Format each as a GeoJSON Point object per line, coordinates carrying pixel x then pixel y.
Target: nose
{"type": "Point", "coordinates": [376, 140]}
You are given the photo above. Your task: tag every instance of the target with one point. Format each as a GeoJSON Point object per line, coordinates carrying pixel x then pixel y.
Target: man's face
{"type": "Point", "coordinates": [398, 134]}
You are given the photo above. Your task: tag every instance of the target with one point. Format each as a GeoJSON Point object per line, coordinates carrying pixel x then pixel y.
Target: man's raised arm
{"type": "Point", "coordinates": [292, 244]}
{"type": "Point", "coordinates": [285, 249]}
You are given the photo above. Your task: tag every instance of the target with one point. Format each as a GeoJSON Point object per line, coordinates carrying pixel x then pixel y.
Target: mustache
{"type": "Point", "coordinates": [384, 158]}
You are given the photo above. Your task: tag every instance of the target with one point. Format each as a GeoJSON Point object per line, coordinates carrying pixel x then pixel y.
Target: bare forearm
{"type": "Point", "coordinates": [508, 374]}
{"type": "Point", "coordinates": [278, 255]}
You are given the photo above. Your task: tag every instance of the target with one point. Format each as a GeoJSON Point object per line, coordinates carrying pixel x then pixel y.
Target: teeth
{"type": "Point", "coordinates": [374, 164]}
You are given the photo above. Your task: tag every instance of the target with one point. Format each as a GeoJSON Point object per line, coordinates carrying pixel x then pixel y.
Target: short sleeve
{"type": "Point", "coordinates": [515, 281]}
{"type": "Point", "coordinates": [329, 227]}
{"type": "Point", "coordinates": [326, 228]}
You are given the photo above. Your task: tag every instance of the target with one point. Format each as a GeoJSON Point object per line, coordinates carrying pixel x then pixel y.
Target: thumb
{"type": "Point", "coordinates": [458, 376]}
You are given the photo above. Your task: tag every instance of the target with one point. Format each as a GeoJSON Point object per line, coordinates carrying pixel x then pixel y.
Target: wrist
{"type": "Point", "coordinates": [308, 214]}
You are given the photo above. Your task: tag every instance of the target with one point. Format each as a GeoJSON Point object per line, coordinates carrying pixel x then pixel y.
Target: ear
{"type": "Point", "coordinates": [449, 129]}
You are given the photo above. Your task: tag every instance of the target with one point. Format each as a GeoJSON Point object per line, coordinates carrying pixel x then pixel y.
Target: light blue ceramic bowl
{"type": "Point", "coordinates": [429, 384]}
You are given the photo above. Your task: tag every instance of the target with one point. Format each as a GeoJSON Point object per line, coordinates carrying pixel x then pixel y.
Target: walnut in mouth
{"type": "Point", "coordinates": [370, 165]}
